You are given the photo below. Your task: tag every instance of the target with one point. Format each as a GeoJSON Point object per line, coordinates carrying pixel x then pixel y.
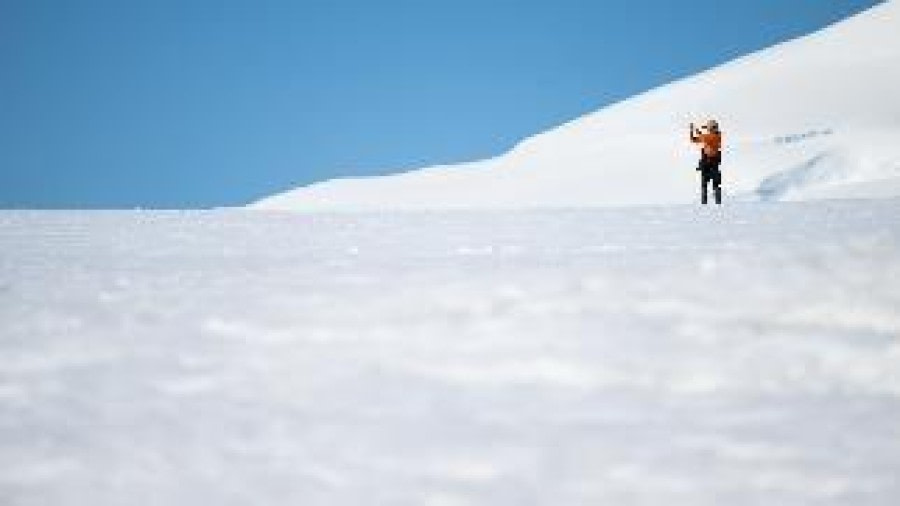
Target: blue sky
{"type": "Point", "coordinates": [196, 103]}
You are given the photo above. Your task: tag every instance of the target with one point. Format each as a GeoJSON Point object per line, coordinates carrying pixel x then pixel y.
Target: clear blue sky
{"type": "Point", "coordinates": [203, 103]}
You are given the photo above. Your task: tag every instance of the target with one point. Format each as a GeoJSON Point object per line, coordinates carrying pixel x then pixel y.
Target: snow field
{"type": "Point", "coordinates": [748, 354]}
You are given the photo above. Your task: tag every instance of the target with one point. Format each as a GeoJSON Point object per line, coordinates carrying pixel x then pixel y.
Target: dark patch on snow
{"type": "Point", "coordinates": [823, 168]}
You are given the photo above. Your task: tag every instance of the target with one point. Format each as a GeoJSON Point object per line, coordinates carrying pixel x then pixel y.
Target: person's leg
{"type": "Point", "coordinates": [717, 184]}
{"type": "Point", "coordinates": [717, 177]}
{"type": "Point", "coordinates": [704, 181]}
{"type": "Point", "coordinates": [703, 168]}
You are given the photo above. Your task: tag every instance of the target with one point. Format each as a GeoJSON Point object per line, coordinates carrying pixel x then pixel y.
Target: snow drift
{"type": "Point", "coordinates": [813, 117]}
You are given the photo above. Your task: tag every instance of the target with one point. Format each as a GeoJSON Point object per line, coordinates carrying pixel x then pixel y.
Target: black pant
{"type": "Point", "coordinates": [709, 171]}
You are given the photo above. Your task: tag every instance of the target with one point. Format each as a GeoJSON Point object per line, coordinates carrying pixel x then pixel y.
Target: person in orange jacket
{"type": "Point", "coordinates": [710, 138]}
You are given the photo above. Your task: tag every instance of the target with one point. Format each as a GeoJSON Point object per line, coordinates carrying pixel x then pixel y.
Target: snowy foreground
{"type": "Point", "coordinates": [748, 355]}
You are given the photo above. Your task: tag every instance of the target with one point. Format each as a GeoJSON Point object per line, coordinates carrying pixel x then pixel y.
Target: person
{"type": "Point", "coordinates": [710, 138]}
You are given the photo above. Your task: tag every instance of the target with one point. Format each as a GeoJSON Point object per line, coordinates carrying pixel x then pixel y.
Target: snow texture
{"type": "Point", "coordinates": [742, 355]}
{"type": "Point", "coordinates": [816, 117]}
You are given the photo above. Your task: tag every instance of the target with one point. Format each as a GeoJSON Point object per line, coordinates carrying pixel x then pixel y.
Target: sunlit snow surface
{"type": "Point", "coordinates": [744, 355]}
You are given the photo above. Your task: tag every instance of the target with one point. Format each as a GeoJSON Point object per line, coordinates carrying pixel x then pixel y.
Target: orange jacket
{"type": "Point", "coordinates": [712, 142]}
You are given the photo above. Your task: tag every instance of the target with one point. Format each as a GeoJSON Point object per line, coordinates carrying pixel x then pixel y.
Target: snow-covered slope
{"type": "Point", "coordinates": [813, 117]}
